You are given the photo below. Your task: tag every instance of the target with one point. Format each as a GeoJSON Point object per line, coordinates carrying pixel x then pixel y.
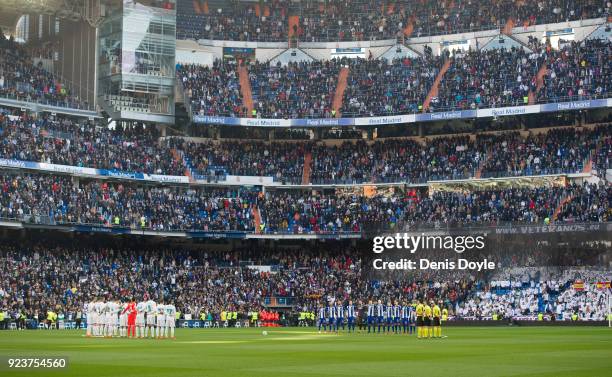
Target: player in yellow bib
{"type": "Point", "coordinates": [420, 320]}
{"type": "Point", "coordinates": [437, 329]}
{"type": "Point", "coordinates": [428, 328]}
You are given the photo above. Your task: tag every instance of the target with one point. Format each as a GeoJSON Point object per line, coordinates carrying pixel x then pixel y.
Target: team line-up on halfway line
{"type": "Point", "coordinates": [130, 319]}
{"type": "Point", "coordinates": [421, 317]}
{"type": "Point", "coordinates": [148, 319]}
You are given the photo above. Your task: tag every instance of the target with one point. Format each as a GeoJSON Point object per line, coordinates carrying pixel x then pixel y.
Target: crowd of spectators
{"type": "Point", "coordinates": [526, 293]}
{"type": "Point", "coordinates": [487, 78]}
{"type": "Point", "coordinates": [340, 211]}
{"type": "Point", "coordinates": [212, 90]}
{"type": "Point", "coordinates": [379, 87]}
{"type": "Point", "coordinates": [232, 20]}
{"type": "Point", "coordinates": [49, 199]}
{"type": "Point", "coordinates": [64, 141]}
{"type": "Point", "coordinates": [280, 160]}
{"type": "Point", "coordinates": [395, 160]}
{"type": "Point", "coordinates": [23, 78]}
{"type": "Point", "coordinates": [577, 71]}
{"type": "Point", "coordinates": [563, 150]}
{"type": "Point", "coordinates": [295, 90]}
{"type": "Point", "coordinates": [359, 20]}
{"type": "Point", "coordinates": [53, 199]}
{"type": "Point", "coordinates": [202, 282]}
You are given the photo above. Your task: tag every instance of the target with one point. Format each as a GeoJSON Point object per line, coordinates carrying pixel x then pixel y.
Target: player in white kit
{"type": "Point", "coordinates": [89, 309]}
{"type": "Point", "coordinates": [123, 320]}
{"type": "Point", "coordinates": [151, 311]}
{"type": "Point", "coordinates": [161, 320]}
{"type": "Point", "coordinates": [116, 313]}
{"type": "Point", "coordinates": [98, 318]}
{"type": "Point", "coordinates": [108, 319]}
{"type": "Point", "coordinates": [140, 319]}
{"type": "Point", "coordinates": [170, 320]}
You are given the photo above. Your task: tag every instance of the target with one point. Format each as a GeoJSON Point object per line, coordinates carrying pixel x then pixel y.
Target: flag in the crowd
{"type": "Point", "coordinates": [604, 285]}
{"type": "Point", "coordinates": [578, 285]}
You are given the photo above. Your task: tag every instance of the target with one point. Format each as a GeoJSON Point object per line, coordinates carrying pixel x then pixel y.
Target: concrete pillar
{"type": "Point", "coordinates": [162, 128]}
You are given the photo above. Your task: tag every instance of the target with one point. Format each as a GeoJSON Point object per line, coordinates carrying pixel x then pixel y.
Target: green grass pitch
{"type": "Point", "coordinates": [473, 352]}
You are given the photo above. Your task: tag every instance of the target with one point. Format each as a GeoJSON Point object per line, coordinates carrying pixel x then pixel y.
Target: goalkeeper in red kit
{"type": "Point", "coordinates": [131, 323]}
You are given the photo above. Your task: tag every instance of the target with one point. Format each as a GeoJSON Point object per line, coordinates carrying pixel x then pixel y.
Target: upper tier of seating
{"type": "Point", "coordinates": [377, 87]}
{"type": "Point", "coordinates": [362, 20]}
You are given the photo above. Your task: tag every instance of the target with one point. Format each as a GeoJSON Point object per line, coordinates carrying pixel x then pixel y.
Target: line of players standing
{"type": "Point", "coordinates": [393, 318]}
{"type": "Point", "coordinates": [129, 319]}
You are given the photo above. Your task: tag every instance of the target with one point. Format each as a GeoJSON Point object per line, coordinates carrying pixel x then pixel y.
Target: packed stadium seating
{"type": "Point", "coordinates": [208, 282]}
{"type": "Point", "coordinates": [298, 90]}
{"type": "Point", "coordinates": [51, 199]}
{"type": "Point", "coordinates": [377, 87]}
{"type": "Point", "coordinates": [360, 20]}
{"type": "Point", "coordinates": [79, 143]}
{"type": "Point", "coordinates": [577, 71]}
{"type": "Point", "coordinates": [24, 79]}
{"type": "Point", "coordinates": [213, 90]}
{"type": "Point", "coordinates": [522, 294]}
{"type": "Point", "coordinates": [64, 141]}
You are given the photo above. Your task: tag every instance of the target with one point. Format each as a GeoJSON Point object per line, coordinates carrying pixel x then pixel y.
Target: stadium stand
{"type": "Point", "coordinates": [475, 79]}
{"type": "Point", "coordinates": [23, 79]}
{"type": "Point", "coordinates": [56, 200]}
{"type": "Point", "coordinates": [205, 283]}
{"type": "Point", "coordinates": [65, 141]}
{"type": "Point", "coordinates": [360, 20]}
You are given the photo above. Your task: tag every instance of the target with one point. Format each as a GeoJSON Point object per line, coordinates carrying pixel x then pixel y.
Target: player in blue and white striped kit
{"type": "Point", "coordinates": [322, 322]}
{"type": "Point", "coordinates": [331, 316]}
{"type": "Point", "coordinates": [389, 316]}
{"type": "Point", "coordinates": [350, 312]}
{"type": "Point", "coordinates": [380, 315]}
{"type": "Point", "coordinates": [413, 318]}
{"type": "Point", "coordinates": [339, 317]}
{"type": "Point", "coordinates": [405, 316]}
{"type": "Point", "coordinates": [396, 317]}
{"type": "Point", "coordinates": [371, 316]}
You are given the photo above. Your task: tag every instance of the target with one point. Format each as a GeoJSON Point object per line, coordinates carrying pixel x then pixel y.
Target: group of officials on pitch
{"type": "Point", "coordinates": [393, 318]}
{"type": "Point", "coordinates": [130, 319]}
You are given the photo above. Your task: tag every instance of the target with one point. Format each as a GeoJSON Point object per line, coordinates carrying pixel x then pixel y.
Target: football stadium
{"type": "Point", "coordinates": [305, 188]}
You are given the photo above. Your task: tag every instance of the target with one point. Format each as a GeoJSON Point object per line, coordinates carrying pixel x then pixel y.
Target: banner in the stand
{"type": "Point", "coordinates": [404, 118]}
{"type": "Point", "coordinates": [95, 173]}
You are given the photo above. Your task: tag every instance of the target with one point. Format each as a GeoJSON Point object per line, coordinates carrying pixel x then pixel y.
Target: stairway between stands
{"type": "Point", "coordinates": [180, 160]}
{"type": "Point", "coordinates": [307, 173]}
{"type": "Point", "coordinates": [559, 208]}
{"type": "Point", "coordinates": [294, 24]}
{"type": "Point", "coordinates": [245, 89]}
{"type": "Point", "coordinates": [433, 92]}
{"type": "Point", "coordinates": [257, 218]}
{"type": "Point", "coordinates": [340, 88]}
{"type": "Point", "coordinates": [508, 27]}
{"type": "Point", "coordinates": [533, 95]}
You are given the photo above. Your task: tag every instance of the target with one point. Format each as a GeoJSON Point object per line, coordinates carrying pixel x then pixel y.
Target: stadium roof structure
{"type": "Point", "coordinates": [75, 10]}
